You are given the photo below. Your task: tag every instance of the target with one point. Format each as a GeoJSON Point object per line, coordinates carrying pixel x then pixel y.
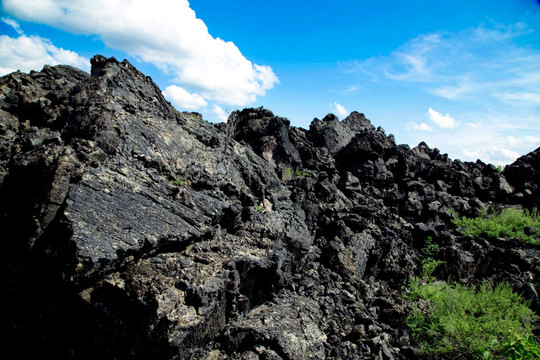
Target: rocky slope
{"type": "Point", "coordinates": [131, 230]}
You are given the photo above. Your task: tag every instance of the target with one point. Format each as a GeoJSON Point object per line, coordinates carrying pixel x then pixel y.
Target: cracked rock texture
{"type": "Point", "coordinates": [132, 230]}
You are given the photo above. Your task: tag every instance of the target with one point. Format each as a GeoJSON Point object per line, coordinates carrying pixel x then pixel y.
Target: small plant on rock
{"type": "Point", "coordinates": [286, 174]}
{"type": "Point", "coordinates": [179, 182]}
{"type": "Point", "coordinates": [302, 173]}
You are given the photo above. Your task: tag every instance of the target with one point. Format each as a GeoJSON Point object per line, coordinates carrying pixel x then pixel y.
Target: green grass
{"type": "Point", "coordinates": [483, 322]}
{"type": "Point", "coordinates": [510, 223]}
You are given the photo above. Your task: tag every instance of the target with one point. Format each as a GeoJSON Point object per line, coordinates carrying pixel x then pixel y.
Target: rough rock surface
{"type": "Point", "coordinates": [132, 230]}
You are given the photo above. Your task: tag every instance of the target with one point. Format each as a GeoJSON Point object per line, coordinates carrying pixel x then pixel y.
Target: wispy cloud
{"type": "Point", "coordinates": [523, 98]}
{"type": "Point", "coordinates": [27, 53]}
{"type": "Point", "coordinates": [456, 65]}
{"type": "Point", "coordinates": [15, 25]}
{"type": "Point", "coordinates": [483, 68]}
{"type": "Point", "coordinates": [418, 127]}
{"type": "Point", "coordinates": [165, 33]}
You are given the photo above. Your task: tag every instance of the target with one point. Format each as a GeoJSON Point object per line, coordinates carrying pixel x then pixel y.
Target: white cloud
{"type": "Point", "coordinates": [412, 61]}
{"type": "Point", "coordinates": [492, 154]}
{"type": "Point", "coordinates": [339, 109]}
{"type": "Point", "coordinates": [454, 92]}
{"type": "Point", "coordinates": [474, 125]}
{"type": "Point", "coordinates": [476, 64]}
{"type": "Point", "coordinates": [533, 140]}
{"type": "Point", "coordinates": [181, 98]}
{"type": "Point", "coordinates": [220, 113]}
{"type": "Point", "coordinates": [27, 53]}
{"type": "Point", "coordinates": [489, 81]}
{"type": "Point", "coordinates": [418, 127]}
{"type": "Point", "coordinates": [443, 121]}
{"type": "Point", "coordinates": [527, 98]}
{"type": "Point", "coordinates": [512, 140]}
{"type": "Point", "coordinates": [13, 24]}
{"type": "Point", "coordinates": [166, 33]}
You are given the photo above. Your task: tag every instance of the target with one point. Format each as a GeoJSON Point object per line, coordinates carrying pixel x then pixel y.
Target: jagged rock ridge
{"type": "Point", "coordinates": [136, 231]}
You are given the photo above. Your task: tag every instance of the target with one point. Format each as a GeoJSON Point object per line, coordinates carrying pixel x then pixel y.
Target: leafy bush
{"type": "Point", "coordinates": [429, 264]}
{"type": "Point", "coordinates": [483, 322]}
{"type": "Point", "coordinates": [522, 349]}
{"type": "Point", "coordinates": [509, 223]}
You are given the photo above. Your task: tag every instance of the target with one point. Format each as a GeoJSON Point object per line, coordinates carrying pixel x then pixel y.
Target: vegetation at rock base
{"type": "Point", "coordinates": [509, 223]}
{"type": "Point", "coordinates": [485, 322]}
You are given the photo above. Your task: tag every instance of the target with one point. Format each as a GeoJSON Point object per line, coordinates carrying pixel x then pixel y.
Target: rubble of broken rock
{"type": "Point", "coordinates": [132, 230]}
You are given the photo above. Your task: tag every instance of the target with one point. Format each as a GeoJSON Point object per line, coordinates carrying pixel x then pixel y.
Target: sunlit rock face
{"type": "Point", "coordinates": [132, 230]}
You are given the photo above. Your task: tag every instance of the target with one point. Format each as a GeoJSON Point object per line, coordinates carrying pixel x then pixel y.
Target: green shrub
{"type": "Point", "coordinates": [429, 264]}
{"type": "Point", "coordinates": [483, 322]}
{"type": "Point", "coordinates": [522, 349]}
{"type": "Point", "coordinates": [509, 223]}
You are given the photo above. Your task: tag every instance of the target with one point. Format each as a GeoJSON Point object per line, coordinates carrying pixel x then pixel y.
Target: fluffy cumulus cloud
{"type": "Point", "coordinates": [27, 53]}
{"type": "Point", "coordinates": [339, 109]}
{"type": "Point", "coordinates": [220, 113]}
{"type": "Point", "coordinates": [443, 121]}
{"type": "Point", "coordinates": [181, 98]}
{"type": "Point", "coordinates": [166, 33]}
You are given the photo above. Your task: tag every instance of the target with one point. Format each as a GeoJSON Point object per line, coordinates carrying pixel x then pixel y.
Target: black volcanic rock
{"type": "Point", "coordinates": [524, 176]}
{"type": "Point", "coordinates": [133, 230]}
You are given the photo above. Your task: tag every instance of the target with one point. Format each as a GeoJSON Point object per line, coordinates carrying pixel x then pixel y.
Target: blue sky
{"type": "Point", "coordinates": [464, 76]}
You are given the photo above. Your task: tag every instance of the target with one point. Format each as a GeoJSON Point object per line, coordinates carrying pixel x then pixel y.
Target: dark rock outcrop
{"type": "Point", "coordinates": [132, 230]}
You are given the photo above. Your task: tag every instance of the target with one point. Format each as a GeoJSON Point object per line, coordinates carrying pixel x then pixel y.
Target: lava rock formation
{"type": "Point", "coordinates": [132, 230]}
